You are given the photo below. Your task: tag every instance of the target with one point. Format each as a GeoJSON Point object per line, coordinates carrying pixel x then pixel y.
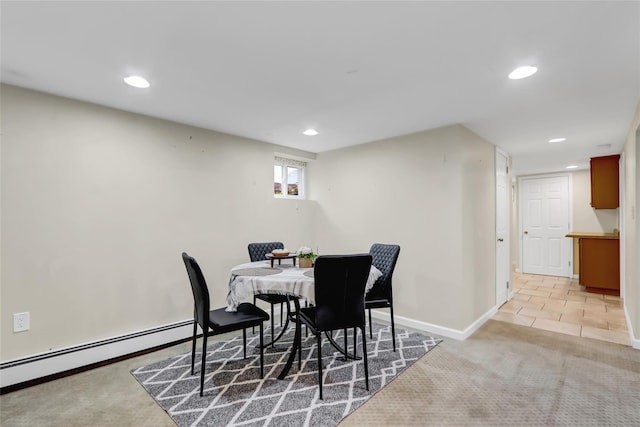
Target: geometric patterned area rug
{"type": "Point", "coordinates": [234, 394]}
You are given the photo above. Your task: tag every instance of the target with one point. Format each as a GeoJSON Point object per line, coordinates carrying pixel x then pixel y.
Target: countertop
{"type": "Point", "coordinates": [591, 235]}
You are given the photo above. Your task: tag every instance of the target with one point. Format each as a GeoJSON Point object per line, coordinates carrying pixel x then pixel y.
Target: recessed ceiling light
{"type": "Point", "coordinates": [572, 167]}
{"type": "Point", "coordinates": [554, 140]}
{"type": "Point", "coordinates": [137, 81]}
{"type": "Point", "coordinates": [310, 132]}
{"type": "Point", "coordinates": [522, 72]}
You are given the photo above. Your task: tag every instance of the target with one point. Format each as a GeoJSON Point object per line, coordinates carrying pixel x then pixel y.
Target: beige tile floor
{"type": "Point", "coordinates": [560, 304]}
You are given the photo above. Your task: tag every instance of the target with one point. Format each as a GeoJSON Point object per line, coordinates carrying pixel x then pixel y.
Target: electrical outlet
{"type": "Point", "coordinates": [21, 322]}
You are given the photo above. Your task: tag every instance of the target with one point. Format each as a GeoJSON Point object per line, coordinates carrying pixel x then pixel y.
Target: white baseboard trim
{"type": "Point", "coordinates": [635, 342]}
{"type": "Point", "coordinates": [24, 369]}
{"type": "Point", "coordinates": [435, 329]}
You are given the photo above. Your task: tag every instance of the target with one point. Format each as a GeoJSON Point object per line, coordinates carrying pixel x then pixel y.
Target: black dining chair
{"type": "Point", "coordinates": [340, 281]}
{"type": "Point", "coordinates": [218, 321]}
{"type": "Point", "coordinates": [381, 294]}
{"type": "Point", "coordinates": [257, 252]}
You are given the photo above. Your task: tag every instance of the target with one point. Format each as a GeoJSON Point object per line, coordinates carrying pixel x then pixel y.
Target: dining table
{"type": "Point", "coordinates": [260, 277]}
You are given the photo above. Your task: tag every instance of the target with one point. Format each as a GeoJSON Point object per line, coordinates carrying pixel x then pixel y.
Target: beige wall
{"type": "Point", "coordinates": [585, 218]}
{"type": "Point", "coordinates": [433, 193]}
{"type": "Point", "coordinates": [98, 204]}
{"type": "Point", "coordinates": [631, 229]}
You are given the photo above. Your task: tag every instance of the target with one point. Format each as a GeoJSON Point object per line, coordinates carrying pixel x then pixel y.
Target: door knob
{"type": "Point", "coordinates": [526, 232]}
{"type": "Point", "coordinates": [500, 240]}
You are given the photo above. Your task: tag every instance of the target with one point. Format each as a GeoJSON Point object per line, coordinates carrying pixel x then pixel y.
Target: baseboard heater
{"type": "Point", "coordinates": [37, 369]}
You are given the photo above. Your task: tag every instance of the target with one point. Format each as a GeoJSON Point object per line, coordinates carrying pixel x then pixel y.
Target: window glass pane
{"type": "Point", "coordinates": [292, 181]}
{"type": "Point", "coordinates": [277, 179]}
{"type": "Point", "coordinates": [288, 178]}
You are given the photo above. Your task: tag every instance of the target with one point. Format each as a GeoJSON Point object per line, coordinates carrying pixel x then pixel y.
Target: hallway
{"type": "Point", "coordinates": [559, 304]}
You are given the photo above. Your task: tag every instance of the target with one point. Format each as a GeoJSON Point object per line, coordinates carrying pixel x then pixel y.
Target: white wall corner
{"type": "Point", "coordinates": [456, 334]}
{"type": "Point", "coordinates": [635, 342]}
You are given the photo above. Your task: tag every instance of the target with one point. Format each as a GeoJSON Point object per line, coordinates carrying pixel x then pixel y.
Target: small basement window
{"type": "Point", "coordinates": [288, 178]}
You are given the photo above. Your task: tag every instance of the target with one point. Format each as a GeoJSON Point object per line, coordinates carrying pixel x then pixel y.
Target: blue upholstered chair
{"type": "Point", "coordinates": [381, 294]}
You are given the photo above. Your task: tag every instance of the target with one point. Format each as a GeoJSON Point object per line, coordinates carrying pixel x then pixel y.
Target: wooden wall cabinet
{"type": "Point", "coordinates": [605, 182]}
{"type": "Point", "coordinates": [600, 265]}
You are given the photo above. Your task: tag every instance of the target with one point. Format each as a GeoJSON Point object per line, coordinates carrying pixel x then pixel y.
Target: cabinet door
{"type": "Point", "coordinates": [600, 263]}
{"type": "Point", "coordinates": [604, 182]}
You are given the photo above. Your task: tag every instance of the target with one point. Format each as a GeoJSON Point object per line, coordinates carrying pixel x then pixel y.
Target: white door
{"type": "Point", "coordinates": [503, 270]}
{"type": "Point", "coordinates": [544, 207]}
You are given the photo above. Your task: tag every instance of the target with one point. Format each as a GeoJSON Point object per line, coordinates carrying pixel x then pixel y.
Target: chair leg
{"type": "Point", "coordinates": [366, 359]}
{"type": "Point", "coordinates": [370, 326]}
{"type": "Point", "coordinates": [253, 328]}
{"type": "Point", "coordinates": [300, 353]}
{"type": "Point", "coordinates": [319, 340]}
{"type": "Point", "coordinates": [272, 326]}
{"type": "Point", "coordinates": [193, 345]}
{"type": "Point", "coordinates": [281, 312]}
{"type": "Point", "coordinates": [355, 342]}
{"type": "Point", "coordinates": [306, 328]}
{"type": "Point", "coordinates": [345, 341]}
{"type": "Point", "coordinates": [298, 336]}
{"type": "Point", "coordinates": [244, 342]}
{"type": "Point", "coordinates": [393, 328]}
{"type": "Point", "coordinates": [261, 353]}
{"type": "Point", "coordinates": [204, 360]}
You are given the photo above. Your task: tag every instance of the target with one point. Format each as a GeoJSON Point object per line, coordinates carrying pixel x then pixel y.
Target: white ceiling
{"type": "Point", "coordinates": [355, 71]}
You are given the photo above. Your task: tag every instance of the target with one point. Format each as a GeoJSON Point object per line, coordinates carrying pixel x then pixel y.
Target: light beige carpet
{"type": "Point", "coordinates": [509, 375]}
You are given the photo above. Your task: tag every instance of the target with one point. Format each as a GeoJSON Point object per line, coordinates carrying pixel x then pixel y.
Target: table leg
{"type": "Point", "coordinates": [340, 349]}
{"type": "Point", "coordinates": [284, 328]}
{"type": "Point", "coordinates": [297, 342]}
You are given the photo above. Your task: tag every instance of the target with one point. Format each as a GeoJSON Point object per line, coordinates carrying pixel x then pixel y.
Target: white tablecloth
{"type": "Point", "coordinates": [290, 281]}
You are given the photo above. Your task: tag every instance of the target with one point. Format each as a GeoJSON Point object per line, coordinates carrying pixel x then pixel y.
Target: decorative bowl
{"type": "Point", "coordinates": [280, 253]}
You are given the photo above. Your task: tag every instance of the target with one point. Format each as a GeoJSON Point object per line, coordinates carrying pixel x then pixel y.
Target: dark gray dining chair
{"type": "Point", "coordinates": [381, 294]}
{"type": "Point", "coordinates": [218, 321]}
{"type": "Point", "coordinates": [340, 281]}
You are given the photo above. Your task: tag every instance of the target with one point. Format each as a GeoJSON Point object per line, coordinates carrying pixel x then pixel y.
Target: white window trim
{"type": "Point", "coordinates": [284, 162]}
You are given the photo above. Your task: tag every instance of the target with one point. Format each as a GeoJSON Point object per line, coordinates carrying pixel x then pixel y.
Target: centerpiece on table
{"type": "Point", "coordinates": [280, 252]}
{"type": "Point", "coordinates": [306, 257]}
